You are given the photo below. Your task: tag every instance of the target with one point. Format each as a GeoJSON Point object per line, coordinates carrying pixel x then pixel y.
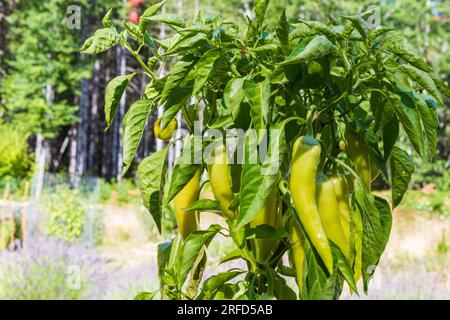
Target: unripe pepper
{"type": "Point", "coordinates": [329, 214]}
{"type": "Point", "coordinates": [220, 179]}
{"type": "Point", "coordinates": [270, 214]}
{"type": "Point", "coordinates": [187, 220]}
{"type": "Point", "coordinates": [359, 155]}
{"type": "Point", "coordinates": [341, 191]}
{"type": "Point", "coordinates": [298, 251]}
{"type": "Point", "coordinates": [166, 133]}
{"type": "Point", "coordinates": [302, 183]}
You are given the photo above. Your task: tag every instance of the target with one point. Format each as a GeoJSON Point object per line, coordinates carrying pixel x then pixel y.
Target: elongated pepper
{"type": "Point", "coordinates": [270, 214]}
{"type": "Point", "coordinates": [359, 155]}
{"type": "Point", "coordinates": [329, 214]}
{"type": "Point", "coordinates": [187, 220]}
{"type": "Point", "coordinates": [302, 183]}
{"type": "Point", "coordinates": [220, 179]}
{"type": "Point", "coordinates": [298, 251]}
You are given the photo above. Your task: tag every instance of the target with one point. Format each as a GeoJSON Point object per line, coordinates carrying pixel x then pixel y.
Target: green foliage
{"type": "Point", "coordinates": [15, 160]}
{"type": "Point", "coordinates": [321, 78]}
{"type": "Point", "coordinates": [63, 213]}
{"type": "Point", "coordinates": [105, 190]}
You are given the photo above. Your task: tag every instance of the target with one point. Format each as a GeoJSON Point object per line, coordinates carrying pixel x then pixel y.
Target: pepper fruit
{"type": "Point", "coordinates": [359, 155]}
{"type": "Point", "coordinates": [270, 214]}
{"type": "Point", "coordinates": [341, 191]}
{"type": "Point", "coordinates": [221, 185]}
{"type": "Point", "coordinates": [298, 251]}
{"type": "Point", "coordinates": [302, 183]}
{"type": "Point", "coordinates": [327, 204]}
{"type": "Point", "coordinates": [166, 133]}
{"type": "Point", "coordinates": [187, 220]}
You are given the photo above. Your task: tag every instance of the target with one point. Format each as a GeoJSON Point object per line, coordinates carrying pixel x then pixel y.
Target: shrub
{"type": "Point", "coordinates": [15, 160]}
{"type": "Point", "coordinates": [50, 269]}
{"type": "Point", "coordinates": [63, 213]}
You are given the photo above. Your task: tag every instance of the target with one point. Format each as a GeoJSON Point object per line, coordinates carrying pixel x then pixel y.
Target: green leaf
{"type": "Point", "coordinates": [430, 123]}
{"type": "Point", "coordinates": [114, 91]}
{"type": "Point", "coordinates": [102, 40]}
{"type": "Point", "coordinates": [233, 95]}
{"type": "Point", "coordinates": [282, 29]}
{"type": "Point", "coordinates": [177, 74]}
{"type": "Point", "coordinates": [192, 247]}
{"type": "Point", "coordinates": [144, 296]}
{"type": "Point", "coordinates": [188, 42]}
{"type": "Point", "coordinates": [402, 167]}
{"type": "Point", "coordinates": [423, 79]}
{"type": "Point", "coordinates": [444, 89]}
{"type": "Point", "coordinates": [171, 20]}
{"type": "Point", "coordinates": [302, 31]}
{"type": "Point", "coordinates": [133, 128]}
{"type": "Point", "coordinates": [260, 10]}
{"type": "Point", "coordinates": [375, 33]}
{"type": "Point", "coordinates": [409, 117]}
{"type": "Point", "coordinates": [215, 283]}
{"type": "Point", "coordinates": [322, 28]}
{"type": "Point", "coordinates": [152, 10]}
{"type": "Point", "coordinates": [184, 168]}
{"type": "Point", "coordinates": [343, 266]}
{"type": "Point", "coordinates": [359, 24]}
{"type": "Point", "coordinates": [318, 47]}
{"type": "Point", "coordinates": [377, 221]}
{"type": "Point", "coordinates": [203, 69]}
{"type": "Point", "coordinates": [258, 95]}
{"type": "Point", "coordinates": [233, 255]}
{"type": "Point", "coordinates": [390, 136]}
{"type": "Point", "coordinates": [204, 205]}
{"type": "Point", "coordinates": [106, 21]}
{"type": "Point", "coordinates": [398, 44]}
{"type": "Point", "coordinates": [196, 274]}
{"type": "Point", "coordinates": [150, 175]}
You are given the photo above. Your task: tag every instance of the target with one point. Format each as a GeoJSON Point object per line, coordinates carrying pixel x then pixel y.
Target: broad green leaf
{"type": "Point", "coordinates": [377, 222]}
{"type": "Point", "coordinates": [188, 42]}
{"type": "Point", "coordinates": [444, 89]}
{"type": "Point", "coordinates": [170, 19]}
{"type": "Point", "coordinates": [318, 47]}
{"type": "Point", "coordinates": [316, 284]}
{"type": "Point", "coordinates": [192, 247]}
{"type": "Point", "coordinates": [233, 95]}
{"type": "Point", "coordinates": [359, 24]}
{"type": "Point", "coordinates": [102, 40]}
{"type": "Point", "coordinates": [302, 31]}
{"type": "Point", "coordinates": [133, 128]}
{"type": "Point", "coordinates": [134, 31]}
{"type": "Point", "coordinates": [409, 117]}
{"type": "Point", "coordinates": [398, 44]}
{"type": "Point", "coordinates": [402, 168]}
{"type": "Point", "coordinates": [163, 255]}
{"type": "Point", "coordinates": [257, 180]}
{"type": "Point", "coordinates": [265, 48]}
{"type": "Point", "coordinates": [177, 74]}
{"type": "Point", "coordinates": [204, 205]}
{"type": "Point", "coordinates": [196, 274]}
{"type": "Point", "coordinates": [114, 91]}
{"type": "Point", "coordinates": [423, 79]}
{"type": "Point", "coordinates": [375, 33]}
{"type": "Point", "coordinates": [260, 10]}
{"type": "Point", "coordinates": [233, 255]}
{"type": "Point", "coordinates": [203, 69]}
{"type": "Point", "coordinates": [153, 9]}
{"type": "Point", "coordinates": [282, 29]}
{"type": "Point", "coordinates": [150, 176]}
{"type": "Point", "coordinates": [214, 283]}
{"type": "Point", "coordinates": [144, 296]}
{"type": "Point", "coordinates": [106, 21]}
{"type": "Point", "coordinates": [430, 122]}
{"type": "Point", "coordinates": [322, 28]}
{"type": "Point", "coordinates": [258, 95]}
{"type": "Point", "coordinates": [343, 266]}
{"type": "Point", "coordinates": [184, 168]}
{"type": "Point", "coordinates": [390, 136]}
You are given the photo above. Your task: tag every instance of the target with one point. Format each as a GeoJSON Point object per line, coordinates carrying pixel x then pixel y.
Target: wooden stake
{"type": "Point", "coordinates": [24, 215]}
{"type": "Point", "coordinates": [3, 216]}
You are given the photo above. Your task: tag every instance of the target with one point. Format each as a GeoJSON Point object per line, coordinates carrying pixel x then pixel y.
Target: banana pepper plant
{"type": "Point", "coordinates": [332, 99]}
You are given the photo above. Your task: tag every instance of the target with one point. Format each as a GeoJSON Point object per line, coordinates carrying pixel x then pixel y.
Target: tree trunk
{"type": "Point", "coordinates": [93, 121]}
